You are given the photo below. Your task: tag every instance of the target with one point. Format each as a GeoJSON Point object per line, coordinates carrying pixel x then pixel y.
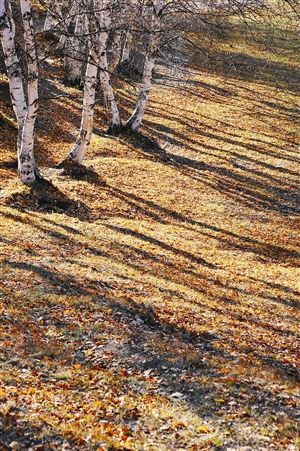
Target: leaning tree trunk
{"type": "Point", "coordinates": [87, 120]}
{"type": "Point", "coordinates": [135, 120]}
{"type": "Point", "coordinates": [27, 166]}
{"type": "Point", "coordinates": [13, 68]}
{"type": "Point", "coordinates": [103, 14]}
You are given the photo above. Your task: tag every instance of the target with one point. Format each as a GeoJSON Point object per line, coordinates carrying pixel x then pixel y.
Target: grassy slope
{"type": "Point", "coordinates": [151, 301]}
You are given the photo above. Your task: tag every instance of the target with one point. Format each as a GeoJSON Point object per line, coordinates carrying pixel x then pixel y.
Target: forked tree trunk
{"type": "Point", "coordinates": [13, 68]}
{"type": "Point", "coordinates": [87, 119]}
{"type": "Point", "coordinates": [103, 14]}
{"type": "Point", "coordinates": [135, 120]}
{"type": "Point", "coordinates": [27, 167]}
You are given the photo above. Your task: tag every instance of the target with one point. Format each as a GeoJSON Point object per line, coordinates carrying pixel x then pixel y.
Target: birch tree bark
{"type": "Point", "coordinates": [13, 68]}
{"type": "Point", "coordinates": [116, 51]}
{"type": "Point", "coordinates": [97, 58]}
{"type": "Point", "coordinates": [68, 24]}
{"type": "Point", "coordinates": [27, 166]}
{"type": "Point", "coordinates": [78, 151]}
{"type": "Point", "coordinates": [53, 15]}
{"type": "Point", "coordinates": [87, 119]}
{"type": "Point", "coordinates": [127, 47]}
{"type": "Point", "coordinates": [103, 14]}
{"type": "Point", "coordinates": [135, 120]}
{"type": "Point", "coordinates": [75, 50]}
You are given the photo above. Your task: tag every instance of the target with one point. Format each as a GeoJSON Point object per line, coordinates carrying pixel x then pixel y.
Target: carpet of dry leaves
{"type": "Point", "coordinates": [150, 301]}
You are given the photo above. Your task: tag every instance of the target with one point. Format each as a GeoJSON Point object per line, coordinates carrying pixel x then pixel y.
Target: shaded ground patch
{"type": "Point", "coordinates": [44, 196]}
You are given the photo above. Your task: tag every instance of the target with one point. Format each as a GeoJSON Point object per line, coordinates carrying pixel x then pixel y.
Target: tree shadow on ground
{"type": "Point", "coordinates": [203, 342]}
{"type": "Point", "coordinates": [44, 196]}
{"type": "Point", "coordinates": [222, 129]}
{"type": "Point", "coordinates": [249, 68]}
{"type": "Point", "coordinates": [234, 241]}
{"type": "Point", "coordinates": [80, 172]}
{"type": "Point", "coordinates": [150, 317]}
{"type": "Point", "coordinates": [186, 363]}
{"type": "Point", "coordinates": [166, 215]}
{"type": "Point", "coordinates": [218, 133]}
{"type": "Point", "coordinates": [236, 183]}
{"type": "Point", "coordinates": [161, 266]}
{"type": "Point", "coordinates": [26, 435]}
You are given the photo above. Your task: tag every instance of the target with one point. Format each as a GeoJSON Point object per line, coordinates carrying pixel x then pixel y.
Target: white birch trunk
{"type": "Point", "coordinates": [75, 51]}
{"type": "Point", "coordinates": [13, 68]}
{"type": "Point", "coordinates": [67, 24]}
{"type": "Point", "coordinates": [127, 47]}
{"type": "Point", "coordinates": [135, 120]}
{"type": "Point", "coordinates": [78, 151]}
{"type": "Point", "coordinates": [103, 14]}
{"type": "Point", "coordinates": [49, 21]}
{"type": "Point", "coordinates": [27, 167]}
{"type": "Point", "coordinates": [98, 43]}
{"type": "Point", "coordinates": [116, 51]}
{"type": "Point", "coordinates": [87, 119]}
{"type": "Point", "coordinates": [53, 15]}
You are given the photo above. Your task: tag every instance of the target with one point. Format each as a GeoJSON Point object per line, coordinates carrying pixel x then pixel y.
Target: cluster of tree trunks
{"type": "Point", "coordinates": [25, 106]}
{"type": "Point", "coordinates": [85, 31]}
{"type": "Point", "coordinates": [95, 37]}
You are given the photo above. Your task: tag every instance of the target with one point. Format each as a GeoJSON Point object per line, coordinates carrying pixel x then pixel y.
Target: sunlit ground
{"type": "Point", "coordinates": [151, 301]}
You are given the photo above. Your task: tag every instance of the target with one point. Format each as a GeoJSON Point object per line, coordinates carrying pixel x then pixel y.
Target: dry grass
{"type": "Point", "coordinates": [151, 301]}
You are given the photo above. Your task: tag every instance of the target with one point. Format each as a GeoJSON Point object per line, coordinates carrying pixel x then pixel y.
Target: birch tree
{"type": "Point", "coordinates": [116, 51]}
{"type": "Point", "coordinates": [126, 51]}
{"type": "Point", "coordinates": [13, 67]}
{"type": "Point", "coordinates": [87, 118]}
{"type": "Point", "coordinates": [135, 120]}
{"type": "Point", "coordinates": [73, 38]}
{"type": "Point", "coordinates": [53, 15]}
{"type": "Point", "coordinates": [25, 112]}
{"type": "Point", "coordinates": [122, 20]}
{"type": "Point", "coordinates": [105, 22]}
{"type": "Point", "coordinates": [76, 48]}
{"type": "Point", "coordinates": [77, 153]}
{"type": "Point", "coordinates": [67, 25]}
{"type": "Point", "coordinates": [27, 165]}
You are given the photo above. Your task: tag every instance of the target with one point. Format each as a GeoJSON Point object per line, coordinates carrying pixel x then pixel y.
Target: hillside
{"type": "Point", "coordinates": [151, 300]}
